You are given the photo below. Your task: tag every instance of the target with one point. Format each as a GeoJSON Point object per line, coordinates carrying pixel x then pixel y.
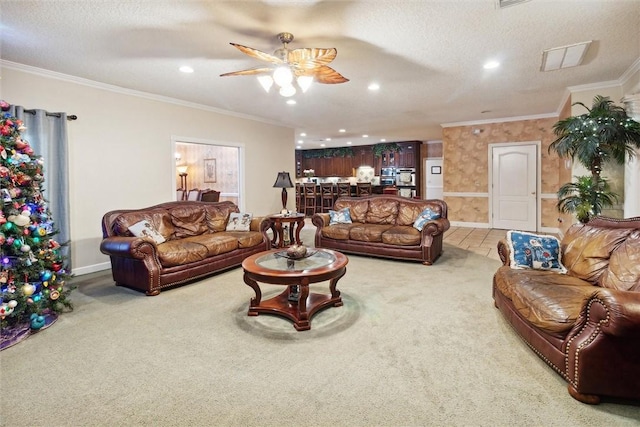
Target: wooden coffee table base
{"type": "Point", "coordinates": [300, 311]}
{"type": "Point", "coordinates": [296, 303]}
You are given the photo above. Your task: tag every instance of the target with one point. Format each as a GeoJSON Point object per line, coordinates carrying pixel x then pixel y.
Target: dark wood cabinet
{"type": "Point", "coordinates": [299, 165]}
{"type": "Point", "coordinates": [338, 166]}
{"type": "Point", "coordinates": [408, 156]}
{"type": "Point", "coordinates": [363, 156]}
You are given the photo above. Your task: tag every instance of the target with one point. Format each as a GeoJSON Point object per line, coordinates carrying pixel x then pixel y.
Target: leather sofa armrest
{"type": "Point", "coordinates": [436, 226]}
{"type": "Point", "coordinates": [320, 220]}
{"type": "Point", "coordinates": [128, 247]}
{"type": "Point", "coordinates": [504, 252]}
{"type": "Point", "coordinates": [617, 312]}
{"type": "Point", "coordinates": [260, 223]}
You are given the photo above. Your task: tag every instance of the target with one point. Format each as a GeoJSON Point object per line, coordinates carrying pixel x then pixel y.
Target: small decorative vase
{"type": "Point", "coordinates": [296, 251]}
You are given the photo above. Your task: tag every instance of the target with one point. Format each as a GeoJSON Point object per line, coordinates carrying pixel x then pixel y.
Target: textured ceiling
{"type": "Point", "coordinates": [426, 55]}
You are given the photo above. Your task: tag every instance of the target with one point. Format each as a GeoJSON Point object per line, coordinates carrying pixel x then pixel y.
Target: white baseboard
{"type": "Point", "coordinates": [91, 269]}
{"type": "Point", "coordinates": [552, 230]}
{"type": "Point", "coordinates": [469, 224]}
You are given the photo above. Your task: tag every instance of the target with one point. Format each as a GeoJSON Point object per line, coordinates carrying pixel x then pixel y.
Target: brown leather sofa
{"type": "Point", "coordinates": [196, 243]}
{"type": "Point", "coordinates": [382, 226]}
{"type": "Point", "coordinates": [585, 324]}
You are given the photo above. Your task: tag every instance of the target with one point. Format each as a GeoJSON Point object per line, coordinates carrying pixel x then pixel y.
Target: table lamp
{"type": "Point", "coordinates": [283, 181]}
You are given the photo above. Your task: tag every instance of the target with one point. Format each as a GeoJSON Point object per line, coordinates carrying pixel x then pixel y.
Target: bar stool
{"type": "Point", "coordinates": [310, 196]}
{"type": "Point", "coordinates": [327, 195]}
{"type": "Point", "coordinates": [344, 189]}
{"type": "Point", "coordinates": [363, 189]}
{"type": "Point", "coordinates": [299, 197]}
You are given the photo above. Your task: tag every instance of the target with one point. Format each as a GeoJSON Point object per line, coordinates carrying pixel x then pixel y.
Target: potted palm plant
{"type": "Point", "coordinates": [606, 133]}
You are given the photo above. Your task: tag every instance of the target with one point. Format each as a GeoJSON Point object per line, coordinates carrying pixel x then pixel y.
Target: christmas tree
{"type": "Point", "coordinates": [33, 276]}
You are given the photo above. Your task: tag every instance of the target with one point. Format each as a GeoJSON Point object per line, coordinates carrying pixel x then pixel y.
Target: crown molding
{"type": "Point", "coordinates": [500, 120]}
{"type": "Point", "coordinates": [594, 86]}
{"type": "Point", "coordinates": [121, 90]}
{"type": "Point", "coordinates": [634, 68]}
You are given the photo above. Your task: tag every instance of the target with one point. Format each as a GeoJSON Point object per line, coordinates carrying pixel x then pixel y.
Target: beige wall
{"type": "Point", "coordinates": [466, 166]}
{"type": "Point", "coordinates": [121, 154]}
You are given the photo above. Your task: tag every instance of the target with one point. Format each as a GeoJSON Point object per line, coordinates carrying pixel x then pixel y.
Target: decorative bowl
{"type": "Point", "coordinates": [296, 251]}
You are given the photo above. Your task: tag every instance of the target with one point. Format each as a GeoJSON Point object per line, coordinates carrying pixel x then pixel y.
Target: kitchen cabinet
{"type": "Point", "coordinates": [408, 156]}
{"type": "Point", "coordinates": [363, 156]}
{"type": "Point", "coordinates": [299, 165]}
{"type": "Point", "coordinates": [327, 166]}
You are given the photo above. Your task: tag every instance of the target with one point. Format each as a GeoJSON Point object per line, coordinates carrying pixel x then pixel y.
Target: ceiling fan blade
{"type": "Point", "coordinates": [257, 54]}
{"type": "Point", "coordinates": [249, 72]}
{"type": "Point", "coordinates": [324, 74]}
{"type": "Point", "coordinates": [309, 58]}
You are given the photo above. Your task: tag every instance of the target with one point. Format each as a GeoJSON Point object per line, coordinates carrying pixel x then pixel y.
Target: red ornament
{"type": "Point", "coordinates": [26, 231]}
{"type": "Point", "coordinates": [56, 267]}
{"type": "Point", "coordinates": [20, 144]}
{"type": "Point", "coordinates": [5, 130]}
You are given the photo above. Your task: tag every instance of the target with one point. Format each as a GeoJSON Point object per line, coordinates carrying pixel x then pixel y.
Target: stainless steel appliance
{"type": "Point", "coordinates": [388, 176]}
{"type": "Point", "coordinates": [406, 177]}
{"type": "Point", "coordinates": [406, 182]}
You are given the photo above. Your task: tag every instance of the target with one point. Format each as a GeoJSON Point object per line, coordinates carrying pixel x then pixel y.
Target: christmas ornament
{"type": "Point", "coordinates": [28, 289]}
{"type": "Point", "coordinates": [37, 321]}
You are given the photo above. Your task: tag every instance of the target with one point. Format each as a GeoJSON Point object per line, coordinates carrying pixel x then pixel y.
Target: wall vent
{"type": "Point", "coordinates": [506, 3]}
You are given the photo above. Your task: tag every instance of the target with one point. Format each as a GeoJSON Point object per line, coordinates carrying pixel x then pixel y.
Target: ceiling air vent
{"type": "Point", "coordinates": [564, 56]}
{"type": "Point", "coordinates": [506, 3]}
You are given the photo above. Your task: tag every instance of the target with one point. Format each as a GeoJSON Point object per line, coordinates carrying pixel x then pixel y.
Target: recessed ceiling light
{"type": "Point", "coordinates": [383, 140]}
{"type": "Point", "coordinates": [365, 136]}
{"type": "Point", "coordinates": [348, 142]}
{"type": "Point", "coordinates": [299, 146]}
{"type": "Point", "coordinates": [342, 130]}
{"type": "Point", "coordinates": [374, 86]}
{"type": "Point", "coordinates": [291, 102]}
{"type": "Point", "coordinates": [186, 69]}
{"type": "Point", "coordinates": [303, 134]}
{"type": "Point", "coordinates": [323, 145]}
{"type": "Point", "coordinates": [489, 65]}
{"type": "Point", "coordinates": [300, 141]}
{"type": "Point", "coordinates": [327, 139]}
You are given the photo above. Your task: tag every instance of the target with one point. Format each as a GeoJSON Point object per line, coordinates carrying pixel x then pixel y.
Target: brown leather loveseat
{"type": "Point", "coordinates": [586, 323]}
{"type": "Point", "coordinates": [382, 226]}
{"type": "Point", "coordinates": [196, 243]}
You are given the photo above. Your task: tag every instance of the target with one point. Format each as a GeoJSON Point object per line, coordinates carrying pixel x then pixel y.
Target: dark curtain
{"type": "Point", "coordinates": [47, 134]}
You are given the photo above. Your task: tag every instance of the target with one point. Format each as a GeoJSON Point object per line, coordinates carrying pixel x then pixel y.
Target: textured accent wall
{"type": "Point", "coordinates": [466, 162]}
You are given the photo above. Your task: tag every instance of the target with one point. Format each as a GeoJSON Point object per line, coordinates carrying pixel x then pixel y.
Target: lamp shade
{"type": "Point", "coordinates": [283, 180]}
{"type": "Point", "coordinates": [182, 170]}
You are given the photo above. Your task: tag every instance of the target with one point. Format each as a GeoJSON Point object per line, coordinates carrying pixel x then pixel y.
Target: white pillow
{"type": "Point", "coordinates": [343, 216]}
{"type": "Point", "coordinates": [144, 229]}
{"type": "Point", "coordinates": [239, 222]}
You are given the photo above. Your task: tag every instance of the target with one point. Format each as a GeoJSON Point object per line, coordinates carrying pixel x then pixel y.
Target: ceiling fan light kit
{"type": "Point", "coordinates": [291, 68]}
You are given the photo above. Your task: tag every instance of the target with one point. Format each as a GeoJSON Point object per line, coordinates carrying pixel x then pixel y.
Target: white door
{"type": "Point", "coordinates": [433, 174]}
{"type": "Point", "coordinates": [514, 187]}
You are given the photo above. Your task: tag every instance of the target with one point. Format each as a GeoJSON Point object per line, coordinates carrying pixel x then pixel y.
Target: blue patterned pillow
{"type": "Point", "coordinates": [343, 216]}
{"type": "Point", "coordinates": [424, 217]}
{"type": "Point", "coordinates": [538, 252]}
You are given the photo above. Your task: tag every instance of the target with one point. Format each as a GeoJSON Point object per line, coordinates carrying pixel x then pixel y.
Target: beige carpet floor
{"type": "Point", "coordinates": [412, 346]}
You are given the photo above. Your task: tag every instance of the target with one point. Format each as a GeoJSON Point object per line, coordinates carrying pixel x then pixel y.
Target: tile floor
{"type": "Point", "coordinates": [479, 240]}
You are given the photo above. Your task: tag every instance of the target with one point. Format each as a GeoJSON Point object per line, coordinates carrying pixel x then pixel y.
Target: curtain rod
{"type": "Point", "coordinates": [69, 117]}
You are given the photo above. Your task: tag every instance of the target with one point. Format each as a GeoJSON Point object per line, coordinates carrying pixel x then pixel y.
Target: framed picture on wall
{"type": "Point", "coordinates": [210, 170]}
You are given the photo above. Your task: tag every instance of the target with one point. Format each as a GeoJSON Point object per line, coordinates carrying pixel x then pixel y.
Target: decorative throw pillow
{"type": "Point", "coordinates": [239, 222]}
{"type": "Point", "coordinates": [343, 216]}
{"type": "Point", "coordinates": [144, 229]}
{"type": "Point", "coordinates": [424, 217]}
{"type": "Point", "coordinates": [538, 252]}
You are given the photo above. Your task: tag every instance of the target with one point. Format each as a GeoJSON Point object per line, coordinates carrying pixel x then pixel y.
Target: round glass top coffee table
{"type": "Point", "coordinates": [296, 302]}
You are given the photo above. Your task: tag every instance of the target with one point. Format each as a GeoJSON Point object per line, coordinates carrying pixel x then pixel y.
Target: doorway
{"type": "Point", "coordinates": [433, 182]}
{"type": "Point", "coordinates": [209, 166]}
{"type": "Point", "coordinates": [514, 182]}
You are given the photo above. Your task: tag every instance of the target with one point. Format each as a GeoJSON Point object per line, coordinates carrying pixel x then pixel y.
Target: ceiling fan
{"type": "Point", "coordinates": [305, 65]}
